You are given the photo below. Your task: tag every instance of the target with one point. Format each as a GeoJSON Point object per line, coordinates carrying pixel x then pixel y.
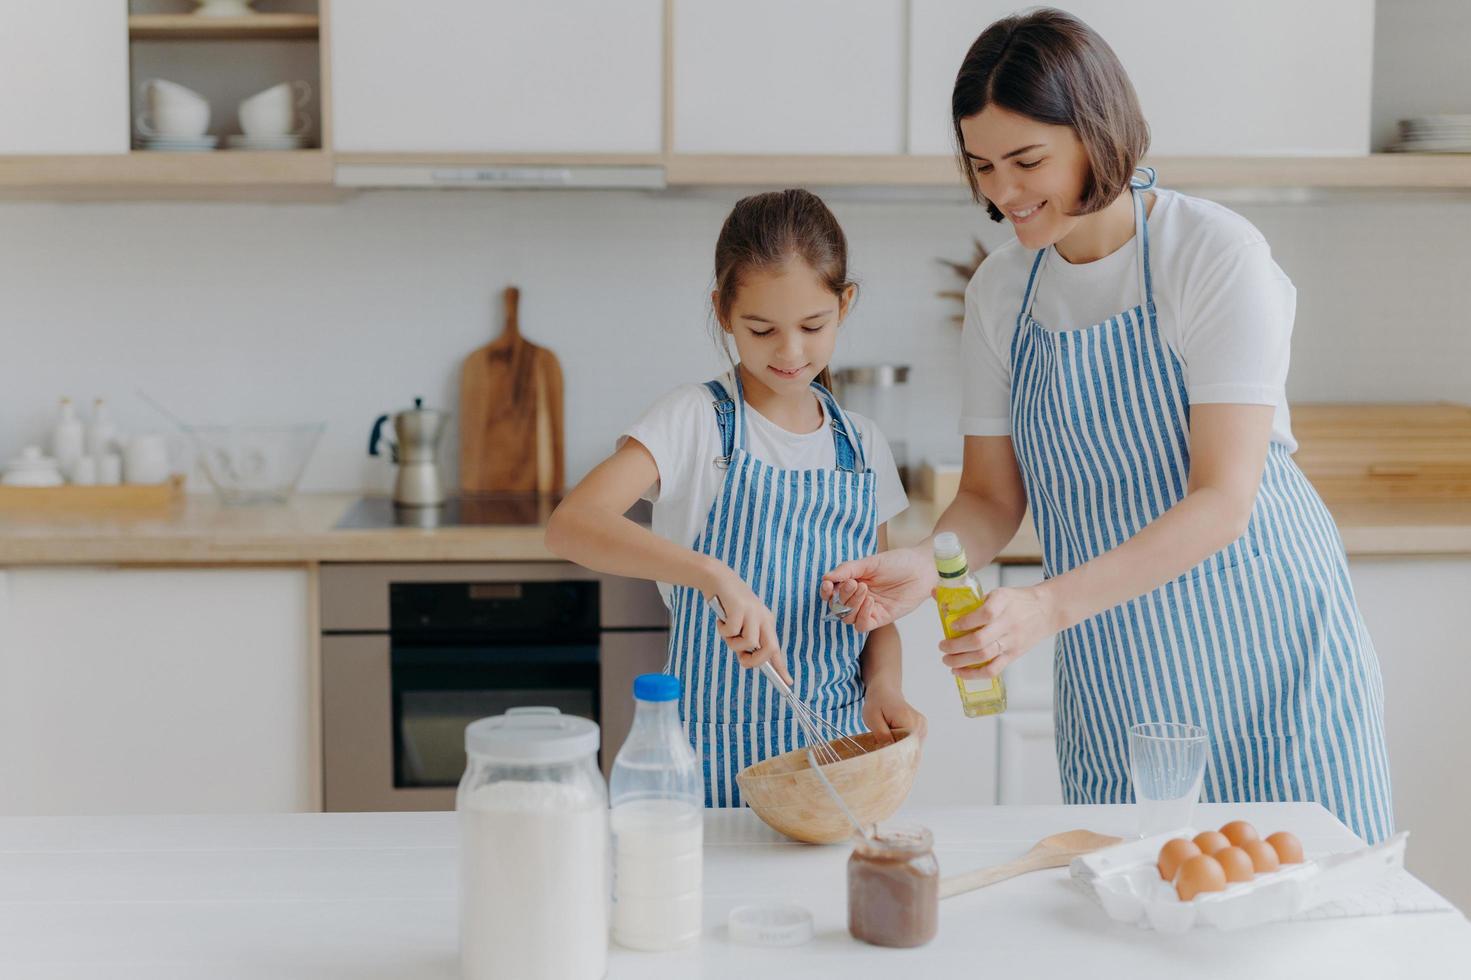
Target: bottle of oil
{"type": "Point", "coordinates": [958, 595]}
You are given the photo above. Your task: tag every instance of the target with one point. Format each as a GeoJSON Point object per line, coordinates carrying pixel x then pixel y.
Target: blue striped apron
{"type": "Point", "coordinates": [780, 530]}
{"type": "Point", "coordinates": [1261, 644]}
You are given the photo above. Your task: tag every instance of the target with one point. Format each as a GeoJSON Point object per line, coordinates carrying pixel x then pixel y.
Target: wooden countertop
{"type": "Point", "coordinates": [201, 531]}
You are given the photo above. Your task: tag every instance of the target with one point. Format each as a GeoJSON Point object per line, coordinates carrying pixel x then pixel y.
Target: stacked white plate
{"type": "Point", "coordinates": [239, 141]}
{"type": "Point", "coordinates": [177, 144]}
{"type": "Point", "coordinates": [1434, 134]}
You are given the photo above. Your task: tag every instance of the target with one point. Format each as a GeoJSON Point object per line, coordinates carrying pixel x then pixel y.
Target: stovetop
{"type": "Point", "coordinates": [477, 510]}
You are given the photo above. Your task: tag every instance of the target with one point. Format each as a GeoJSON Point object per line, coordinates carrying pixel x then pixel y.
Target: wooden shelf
{"type": "Point", "coordinates": [144, 174]}
{"type": "Point", "coordinates": [192, 27]}
{"type": "Point", "coordinates": [226, 173]}
{"type": "Point", "coordinates": [1378, 170]}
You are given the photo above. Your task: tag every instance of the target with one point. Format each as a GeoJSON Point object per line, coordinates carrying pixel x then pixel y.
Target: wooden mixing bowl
{"type": "Point", "coordinates": [786, 793]}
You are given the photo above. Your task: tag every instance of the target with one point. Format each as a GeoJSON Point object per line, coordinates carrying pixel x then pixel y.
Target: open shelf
{"type": "Point", "coordinates": [1377, 170]}
{"type": "Point", "coordinates": [142, 172]}
{"type": "Point", "coordinates": [151, 174]}
{"type": "Point", "coordinates": [191, 27]}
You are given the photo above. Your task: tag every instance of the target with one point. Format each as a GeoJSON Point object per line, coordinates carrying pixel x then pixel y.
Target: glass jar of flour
{"type": "Point", "coordinates": [533, 815]}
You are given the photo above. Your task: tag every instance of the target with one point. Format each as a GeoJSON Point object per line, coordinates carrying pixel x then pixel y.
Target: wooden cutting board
{"type": "Point", "coordinates": [1354, 452]}
{"type": "Point", "coordinates": [511, 414]}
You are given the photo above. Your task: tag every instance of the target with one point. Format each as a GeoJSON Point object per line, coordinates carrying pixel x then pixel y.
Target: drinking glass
{"type": "Point", "coordinates": [1167, 763]}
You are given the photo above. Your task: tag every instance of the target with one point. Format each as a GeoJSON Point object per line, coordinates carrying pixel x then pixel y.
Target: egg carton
{"type": "Point", "coordinates": [1126, 880]}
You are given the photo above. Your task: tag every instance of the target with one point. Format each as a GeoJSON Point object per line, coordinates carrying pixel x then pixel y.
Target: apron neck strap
{"type": "Point", "coordinates": [846, 446]}
{"type": "Point", "coordinates": [726, 417]}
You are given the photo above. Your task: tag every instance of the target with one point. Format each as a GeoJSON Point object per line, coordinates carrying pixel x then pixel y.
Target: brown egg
{"type": "Point", "coordinates": [1201, 873]}
{"type": "Point", "coordinates": [1287, 846]}
{"type": "Point", "coordinates": [1238, 832]}
{"type": "Point", "coordinates": [1236, 863]}
{"type": "Point", "coordinates": [1263, 857]}
{"type": "Point", "coordinates": [1174, 854]}
{"type": "Point", "coordinates": [1211, 841]}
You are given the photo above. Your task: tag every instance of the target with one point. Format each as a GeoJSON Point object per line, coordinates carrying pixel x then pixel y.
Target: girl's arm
{"type": "Point", "coordinates": [884, 706]}
{"type": "Point", "coordinates": [589, 528]}
{"type": "Point", "coordinates": [1228, 451]}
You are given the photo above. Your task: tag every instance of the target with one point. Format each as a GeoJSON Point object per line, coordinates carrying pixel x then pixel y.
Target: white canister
{"type": "Point", "coordinates": [533, 815]}
{"type": "Point", "coordinates": [109, 469]}
{"type": "Point", "coordinates": [146, 459]}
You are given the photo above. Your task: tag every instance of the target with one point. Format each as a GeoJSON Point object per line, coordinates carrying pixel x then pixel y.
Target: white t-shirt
{"type": "Point", "coordinates": [681, 433]}
{"type": "Point", "coordinates": [1224, 307]}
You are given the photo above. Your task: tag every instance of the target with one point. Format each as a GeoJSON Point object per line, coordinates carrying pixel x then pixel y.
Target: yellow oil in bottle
{"type": "Point", "coordinates": [957, 595]}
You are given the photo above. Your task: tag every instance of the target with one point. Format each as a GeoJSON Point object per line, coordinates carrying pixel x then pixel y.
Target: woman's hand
{"type": "Point", "coordinates": [749, 628]}
{"type": "Point", "coordinates": [882, 587]}
{"type": "Point", "coordinates": [1010, 623]}
{"type": "Point", "coordinates": [884, 708]}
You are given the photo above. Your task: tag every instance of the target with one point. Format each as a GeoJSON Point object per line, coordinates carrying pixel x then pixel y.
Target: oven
{"type": "Point", "coordinates": [412, 653]}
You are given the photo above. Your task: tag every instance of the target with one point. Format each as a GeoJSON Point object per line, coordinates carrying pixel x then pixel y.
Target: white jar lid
{"type": "Point", "coordinates": [532, 735]}
{"type": "Point", "coordinates": [770, 925]}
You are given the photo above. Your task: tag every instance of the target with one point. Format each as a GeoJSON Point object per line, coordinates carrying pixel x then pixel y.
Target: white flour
{"type": "Point", "coordinates": [657, 873]}
{"type": "Point", "coordinates": [533, 883]}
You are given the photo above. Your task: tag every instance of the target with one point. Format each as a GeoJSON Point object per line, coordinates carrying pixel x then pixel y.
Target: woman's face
{"type": "Point", "coordinates": [785, 324]}
{"type": "Point", "coordinates": [1032, 171]}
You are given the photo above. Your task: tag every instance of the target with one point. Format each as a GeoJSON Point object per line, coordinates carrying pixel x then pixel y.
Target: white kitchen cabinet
{"type": "Point", "coordinates": [959, 760]}
{"type": "Point", "coordinates": [1027, 765]}
{"type": "Point", "coordinates": [155, 691]}
{"type": "Point", "coordinates": [776, 77]}
{"type": "Point", "coordinates": [64, 77]}
{"type": "Point", "coordinates": [1250, 78]}
{"type": "Point", "coordinates": [497, 76]}
{"type": "Point", "coordinates": [1027, 770]}
{"type": "Point", "coordinates": [1415, 609]}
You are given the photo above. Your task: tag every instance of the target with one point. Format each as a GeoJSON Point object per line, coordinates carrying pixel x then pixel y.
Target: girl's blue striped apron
{"type": "Point", "coordinates": [1261, 644]}
{"type": "Point", "coordinates": [780, 530]}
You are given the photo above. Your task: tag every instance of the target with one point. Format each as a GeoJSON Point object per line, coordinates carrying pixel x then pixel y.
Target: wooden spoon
{"type": "Point", "coordinates": [1049, 852]}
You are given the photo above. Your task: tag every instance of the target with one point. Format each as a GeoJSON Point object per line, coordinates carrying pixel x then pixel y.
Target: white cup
{"type": "Point", "coordinates": [146, 459]}
{"type": "Point", "coordinates": [273, 112]}
{"type": "Point", "coordinates": [170, 109]}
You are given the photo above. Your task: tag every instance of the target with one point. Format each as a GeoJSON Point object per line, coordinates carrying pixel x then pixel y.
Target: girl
{"type": "Point", "coordinates": [759, 482]}
{"type": "Point", "coordinates": [1124, 365]}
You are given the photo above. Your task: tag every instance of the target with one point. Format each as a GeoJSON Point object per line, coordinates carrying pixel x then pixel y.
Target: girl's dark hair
{"type": "Point", "coordinates": [764, 232]}
{"type": "Point", "coordinates": [1051, 67]}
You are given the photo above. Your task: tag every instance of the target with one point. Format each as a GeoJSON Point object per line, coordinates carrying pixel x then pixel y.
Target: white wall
{"type": "Point", "coordinates": [233, 312]}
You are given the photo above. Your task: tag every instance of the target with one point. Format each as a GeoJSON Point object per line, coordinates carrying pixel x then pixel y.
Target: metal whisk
{"type": "Point", "coordinates": [821, 733]}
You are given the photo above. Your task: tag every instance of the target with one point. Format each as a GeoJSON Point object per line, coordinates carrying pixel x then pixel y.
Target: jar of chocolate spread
{"type": "Point", "coordinates": [894, 887]}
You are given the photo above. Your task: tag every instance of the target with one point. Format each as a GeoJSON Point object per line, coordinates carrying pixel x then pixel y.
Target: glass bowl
{"type": "Point", "coordinates": [255, 464]}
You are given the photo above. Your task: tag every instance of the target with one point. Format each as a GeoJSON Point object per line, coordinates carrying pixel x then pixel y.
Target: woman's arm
{"type": "Point", "coordinates": [986, 512]}
{"type": "Point", "coordinates": [882, 665]}
{"type": "Point", "coordinates": [589, 528]}
{"type": "Point", "coordinates": [1228, 450]}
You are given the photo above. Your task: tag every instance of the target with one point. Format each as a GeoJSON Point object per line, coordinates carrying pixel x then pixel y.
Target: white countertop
{"type": "Point", "coordinates": [372, 897]}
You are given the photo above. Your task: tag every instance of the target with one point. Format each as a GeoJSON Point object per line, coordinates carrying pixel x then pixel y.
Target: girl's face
{"type": "Point", "coordinates": [785, 325]}
{"type": "Point", "coordinates": [1032, 171]}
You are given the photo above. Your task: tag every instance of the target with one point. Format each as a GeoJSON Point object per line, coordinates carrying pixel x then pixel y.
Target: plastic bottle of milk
{"type": "Point", "coordinates": [658, 825]}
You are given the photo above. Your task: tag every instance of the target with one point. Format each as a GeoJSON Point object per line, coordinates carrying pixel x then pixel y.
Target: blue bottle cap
{"type": "Point", "coordinates": [656, 687]}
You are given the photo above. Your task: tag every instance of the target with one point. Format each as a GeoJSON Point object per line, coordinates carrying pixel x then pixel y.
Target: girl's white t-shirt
{"type": "Point", "coordinates": [681, 433]}
{"type": "Point", "coordinates": [1224, 307]}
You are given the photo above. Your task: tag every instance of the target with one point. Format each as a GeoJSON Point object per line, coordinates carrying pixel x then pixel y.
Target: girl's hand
{"type": "Point", "coordinates": [882, 587]}
{"type": "Point", "coordinates": [1011, 622]}
{"type": "Point", "coordinates": [884, 708]}
{"type": "Point", "coordinates": [749, 628]}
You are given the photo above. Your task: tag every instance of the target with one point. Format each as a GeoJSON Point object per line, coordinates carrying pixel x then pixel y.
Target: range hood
{"type": "Point", "coordinates": [491, 176]}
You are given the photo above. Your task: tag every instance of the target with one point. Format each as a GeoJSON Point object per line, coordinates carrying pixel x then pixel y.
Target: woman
{"type": "Point", "coordinates": [1125, 362]}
